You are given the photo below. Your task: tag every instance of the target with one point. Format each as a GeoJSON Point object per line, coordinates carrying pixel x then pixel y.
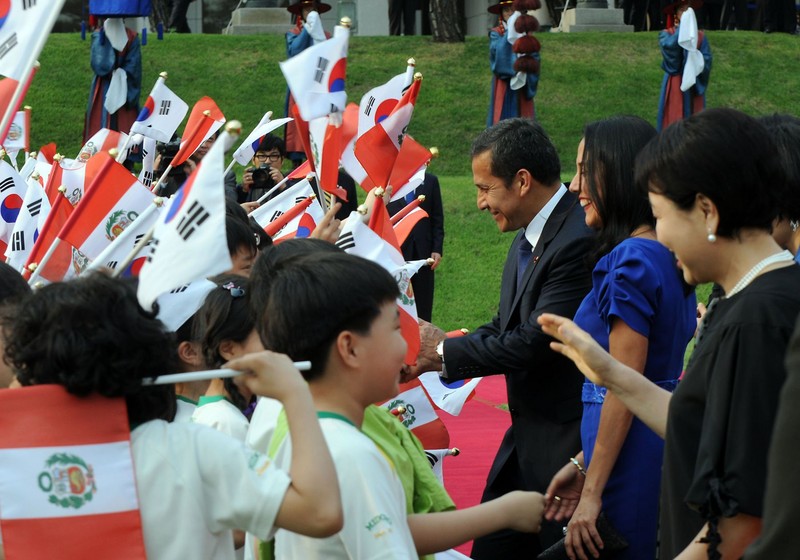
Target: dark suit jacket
{"type": "Point", "coordinates": [427, 237]}
{"type": "Point", "coordinates": [544, 388]}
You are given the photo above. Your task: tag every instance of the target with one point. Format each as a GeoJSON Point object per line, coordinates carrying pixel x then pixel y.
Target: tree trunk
{"type": "Point", "coordinates": [445, 25]}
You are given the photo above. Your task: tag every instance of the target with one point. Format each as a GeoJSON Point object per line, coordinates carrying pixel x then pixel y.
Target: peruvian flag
{"type": "Point", "coordinates": [189, 242]}
{"type": "Point", "coordinates": [30, 220]}
{"type": "Point", "coordinates": [420, 417]}
{"type": "Point", "coordinates": [325, 136]}
{"type": "Point", "coordinates": [316, 76]}
{"type": "Point", "coordinates": [377, 149]}
{"type": "Point", "coordinates": [66, 476]}
{"type": "Point", "coordinates": [24, 28]}
{"type": "Point", "coordinates": [102, 141]}
{"type": "Point", "coordinates": [19, 134]}
{"type": "Point", "coordinates": [244, 153]}
{"type": "Point", "coordinates": [58, 264]}
{"type": "Point", "coordinates": [204, 120]}
{"type": "Point", "coordinates": [118, 250]}
{"type": "Point", "coordinates": [358, 239]}
{"type": "Point", "coordinates": [12, 193]}
{"type": "Point", "coordinates": [67, 173]}
{"type": "Point", "coordinates": [161, 114]}
{"type": "Point", "coordinates": [112, 202]}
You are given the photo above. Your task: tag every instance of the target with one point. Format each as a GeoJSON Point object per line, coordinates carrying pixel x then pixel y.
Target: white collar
{"type": "Point", "coordinates": [534, 230]}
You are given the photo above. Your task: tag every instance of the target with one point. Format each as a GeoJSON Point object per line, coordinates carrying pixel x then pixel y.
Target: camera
{"type": "Point", "coordinates": [261, 177]}
{"type": "Point", "coordinates": [168, 152]}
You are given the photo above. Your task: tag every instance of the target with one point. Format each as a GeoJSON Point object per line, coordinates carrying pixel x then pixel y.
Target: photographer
{"type": "Point", "coordinates": [265, 172]}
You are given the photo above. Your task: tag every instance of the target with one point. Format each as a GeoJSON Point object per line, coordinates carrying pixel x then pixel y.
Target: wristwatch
{"type": "Point", "coordinates": [440, 350]}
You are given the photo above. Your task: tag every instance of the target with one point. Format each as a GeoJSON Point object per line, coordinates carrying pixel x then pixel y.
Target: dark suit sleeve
{"type": "Point", "coordinates": [436, 216]}
{"type": "Point", "coordinates": [525, 347]}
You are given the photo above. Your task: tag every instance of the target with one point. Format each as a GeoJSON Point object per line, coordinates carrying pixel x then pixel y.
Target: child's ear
{"type": "Point", "coordinates": [347, 348]}
{"type": "Point", "coordinates": [189, 353]}
{"type": "Point", "coordinates": [228, 349]}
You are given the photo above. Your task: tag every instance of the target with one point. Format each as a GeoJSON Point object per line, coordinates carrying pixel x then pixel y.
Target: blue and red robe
{"type": "Point", "coordinates": [504, 102]}
{"type": "Point", "coordinates": [675, 104]}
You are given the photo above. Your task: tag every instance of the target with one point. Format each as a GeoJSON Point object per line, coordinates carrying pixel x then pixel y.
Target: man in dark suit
{"type": "Point", "coordinates": [425, 241]}
{"type": "Point", "coordinates": [517, 172]}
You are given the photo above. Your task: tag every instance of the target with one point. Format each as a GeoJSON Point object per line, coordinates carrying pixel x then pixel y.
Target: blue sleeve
{"type": "Point", "coordinates": [671, 52]}
{"type": "Point", "coordinates": [628, 288]}
{"type": "Point", "coordinates": [533, 80]}
{"type": "Point", "coordinates": [702, 80]}
{"type": "Point", "coordinates": [102, 55]}
{"type": "Point", "coordinates": [297, 42]}
{"type": "Point", "coordinates": [132, 64]}
{"type": "Point", "coordinates": [501, 56]}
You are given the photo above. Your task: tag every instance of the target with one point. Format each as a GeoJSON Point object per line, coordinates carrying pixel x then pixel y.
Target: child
{"type": "Point", "coordinates": [340, 312]}
{"type": "Point", "coordinates": [195, 485]}
{"type": "Point", "coordinates": [224, 329]}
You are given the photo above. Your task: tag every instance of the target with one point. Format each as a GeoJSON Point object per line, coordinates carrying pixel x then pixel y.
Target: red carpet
{"type": "Point", "coordinates": [477, 432]}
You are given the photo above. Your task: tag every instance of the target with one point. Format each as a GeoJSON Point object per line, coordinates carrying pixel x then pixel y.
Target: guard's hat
{"type": "Point", "coordinates": [297, 8]}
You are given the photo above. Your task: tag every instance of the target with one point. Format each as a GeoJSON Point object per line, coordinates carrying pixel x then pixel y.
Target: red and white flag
{"type": "Point", "coordinates": [24, 28]}
{"type": "Point", "coordinates": [449, 396]}
{"type": "Point", "coordinates": [112, 202]}
{"type": "Point", "coordinates": [12, 193]}
{"type": "Point", "coordinates": [50, 260]}
{"type": "Point", "coordinates": [19, 133]}
{"type": "Point", "coordinates": [420, 417]}
{"type": "Point", "coordinates": [189, 242]}
{"type": "Point", "coordinates": [102, 141]}
{"type": "Point", "coordinates": [161, 114]}
{"type": "Point", "coordinates": [274, 209]}
{"type": "Point", "coordinates": [244, 153]}
{"type": "Point", "coordinates": [316, 77]}
{"type": "Point", "coordinates": [33, 213]}
{"type": "Point", "coordinates": [325, 136]}
{"type": "Point", "coordinates": [199, 128]}
{"type": "Point", "coordinates": [65, 475]}
{"type": "Point", "coordinates": [70, 174]}
{"type": "Point", "coordinates": [378, 148]}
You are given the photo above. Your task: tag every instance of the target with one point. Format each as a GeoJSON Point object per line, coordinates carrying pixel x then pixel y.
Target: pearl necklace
{"type": "Point", "coordinates": [783, 256]}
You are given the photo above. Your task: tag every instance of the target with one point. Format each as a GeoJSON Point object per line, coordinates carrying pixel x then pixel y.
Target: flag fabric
{"type": "Point", "coordinates": [189, 242]}
{"type": "Point", "coordinates": [244, 153]}
{"type": "Point", "coordinates": [358, 239]}
{"type": "Point", "coordinates": [67, 173]}
{"type": "Point", "coordinates": [378, 148]}
{"type": "Point", "coordinates": [436, 459]}
{"type": "Point", "coordinates": [112, 202]}
{"type": "Point", "coordinates": [316, 77]}
{"type": "Point", "coordinates": [64, 262]}
{"type": "Point", "coordinates": [12, 194]}
{"type": "Point", "coordinates": [409, 169]}
{"type": "Point", "coordinates": [295, 213]}
{"type": "Point", "coordinates": [404, 226]}
{"type": "Point", "coordinates": [274, 209]}
{"type": "Point", "coordinates": [27, 167]}
{"type": "Point", "coordinates": [19, 133]}
{"type": "Point", "coordinates": [420, 416]}
{"type": "Point", "coordinates": [199, 128]}
{"type": "Point", "coordinates": [118, 250]}
{"type": "Point", "coordinates": [33, 213]}
{"type": "Point", "coordinates": [449, 396]}
{"type": "Point", "coordinates": [102, 141]}
{"type": "Point", "coordinates": [65, 475]}
{"type": "Point", "coordinates": [146, 176]}
{"type": "Point", "coordinates": [161, 114]}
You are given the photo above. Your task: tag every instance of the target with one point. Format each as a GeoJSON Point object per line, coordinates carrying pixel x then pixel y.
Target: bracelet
{"type": "Point", "coordinates": [578, 466]}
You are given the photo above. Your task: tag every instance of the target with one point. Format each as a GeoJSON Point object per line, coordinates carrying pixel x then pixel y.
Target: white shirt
{"type": "Point", "coordinates": [195, 485]}
{"type": "Point", "coordinates": [534, 230]}
{"type": "Point", "coordinates": [185, 409]}
{"type": "Point", "coordinates": [374, 504]}
{"type": "Point", "coordinates": [262, 424]}
{"type": "Point", "coordinates": [219, 413]}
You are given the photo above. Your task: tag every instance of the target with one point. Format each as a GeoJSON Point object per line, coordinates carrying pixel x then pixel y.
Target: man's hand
{"type": "Point", "coordinates": [437, 258]}
{"type": "Point", "coordinates": [276, 174]}
{"type": "Point", "coordinates": [247, 179]}
{"type": "Point", "coordinates": [428, 360]}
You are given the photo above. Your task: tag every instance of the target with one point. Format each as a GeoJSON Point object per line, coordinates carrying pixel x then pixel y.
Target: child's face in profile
{"type": "Point", "coordinates": [385, 349]}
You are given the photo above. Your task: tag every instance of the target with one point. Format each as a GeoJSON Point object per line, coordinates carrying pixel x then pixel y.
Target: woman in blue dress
{"type": "Point", "coordinates": [644, 315]}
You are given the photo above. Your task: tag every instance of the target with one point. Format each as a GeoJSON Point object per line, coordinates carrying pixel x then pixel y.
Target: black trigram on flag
{"type": "Point", "coordinates": [180, 289]}
{"type": "Point", "coordinates": [346, 241]}
{"type": "Point", "coordinates": [18, 241]}
{"type": "Point", "coordinates": [193, 219]}
{"type": "Point", "coordinates": [164, 109]}
{"type": "Point", "coordinates": [6, 184]}
{"type": "Point", "coordinates": [112, 264]}
{"type": "Point", "coordinates": [299, 199]}
{"type": "Point", "coordinates": [8, 45]}
{"type": "Point", "coordinates": [322, 64]}
{"type": "Point", "coordinates": [34, 207]}
{"type": "Point", "coordinates": [370, 103]}
{"type": "Point", "coordinates": [147, 178]}
{"type": "Point", "coordinates": [275, 215]}
{"type": "Point", "coordinates": [153, 246]}
{"type": "Point", "coordinates": [28, 4]}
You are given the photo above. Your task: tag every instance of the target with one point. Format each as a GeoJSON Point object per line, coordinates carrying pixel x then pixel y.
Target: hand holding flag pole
{"type": "Point", "coordinates": [206, 374]}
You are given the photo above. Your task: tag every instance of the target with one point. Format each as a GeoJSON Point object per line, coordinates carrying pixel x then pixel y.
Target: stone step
{"type": "Point", "coordinates": [262, 16]}
{"type": "Point", "coordinates": [594, 19]}
{"type": "Point", "coordinates": [255, 30]}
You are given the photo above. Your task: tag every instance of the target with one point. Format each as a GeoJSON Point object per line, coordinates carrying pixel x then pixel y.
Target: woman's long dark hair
{"type": "Point", "coordinates": [610, 149]}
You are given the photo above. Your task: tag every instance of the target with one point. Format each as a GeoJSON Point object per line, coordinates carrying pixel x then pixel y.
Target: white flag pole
{"type": "Point", "coordinates": [206, 374]}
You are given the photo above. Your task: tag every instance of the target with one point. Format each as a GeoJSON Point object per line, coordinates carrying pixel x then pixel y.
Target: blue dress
{"type": "Point", "coordinates": [637, 282]}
